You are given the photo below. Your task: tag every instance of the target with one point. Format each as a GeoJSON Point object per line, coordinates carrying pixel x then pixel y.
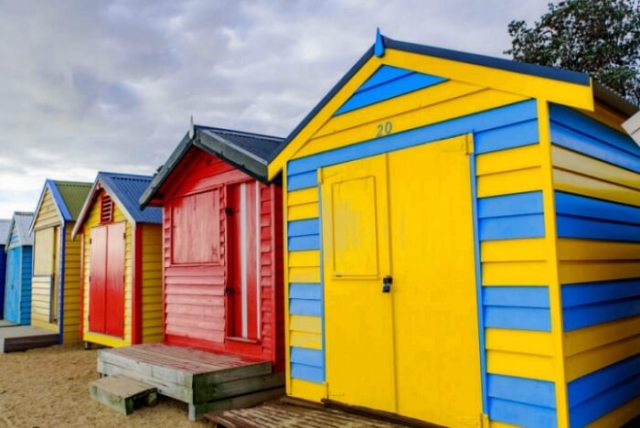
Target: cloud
{"type": "Point", "coordinates": [110, 85]}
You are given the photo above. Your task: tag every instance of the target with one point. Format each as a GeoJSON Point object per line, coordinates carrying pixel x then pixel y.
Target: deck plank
{"type": "Point", "coordinates": [23, 338]}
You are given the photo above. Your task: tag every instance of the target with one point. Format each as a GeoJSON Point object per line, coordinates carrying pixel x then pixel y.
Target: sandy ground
{"type": "Point", "coordinates": [48, 387]}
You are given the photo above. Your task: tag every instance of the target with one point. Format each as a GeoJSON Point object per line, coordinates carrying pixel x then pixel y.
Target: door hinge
{"type": "Point", "coordinates": [90, 241]}
{"type": "Point", "coordinates": [124, 236]}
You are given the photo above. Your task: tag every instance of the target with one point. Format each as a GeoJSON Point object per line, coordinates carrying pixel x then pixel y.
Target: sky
{"type": "Point", "coordinates": [109, 85]}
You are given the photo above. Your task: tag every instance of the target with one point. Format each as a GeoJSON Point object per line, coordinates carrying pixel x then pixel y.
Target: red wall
{"type": "Point", "coordinates": [194, 294]}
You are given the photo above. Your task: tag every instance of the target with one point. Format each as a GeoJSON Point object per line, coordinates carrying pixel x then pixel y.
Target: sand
{"type": "Point", "coordinates": [49, 388]}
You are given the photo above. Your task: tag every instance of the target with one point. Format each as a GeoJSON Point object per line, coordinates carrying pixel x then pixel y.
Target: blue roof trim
{"type": "Point", "coordinates": [57, 197]}
{"type": "Point", "coordinates": [483, 60]}
{"type": "Point", "coordinates": [127, 189]}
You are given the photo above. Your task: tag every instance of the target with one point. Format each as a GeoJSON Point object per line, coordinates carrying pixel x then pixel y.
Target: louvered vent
{"type": "Point", "coordinates": [106, 209]}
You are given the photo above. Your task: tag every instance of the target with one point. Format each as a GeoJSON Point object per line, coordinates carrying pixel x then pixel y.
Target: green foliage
{"type": "Point", "coordinates": [597, 37]}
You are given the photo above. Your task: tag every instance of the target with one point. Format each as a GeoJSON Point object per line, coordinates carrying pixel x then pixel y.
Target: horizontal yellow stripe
{"type": "Point", "coordinates": [304, 196]}
{"type": "Point", "coordinates": [519, 341]}
{"type": "Point", "coordinates": [412, 101]}
{"type": "Point", "coordinates": [104, 340]}
{"type": "Point", "coordinates": [307, 390]}
{"type": "Point", "coordinates": [583, 249]}
{"type": "Point", "coordinates": [508, 160]}
{"type": "Point", "coordinates": [305, 340]}
{"type": "Point", "coordinates": [515, 273]}
{"type": "Point", "coordinates": [301, 212]}
{"type": "Point", "coordinates": [578, 341]}
{"type": "Point", "coordinates": [495, 424]}
{"type": "Point", "coordinates": [585, 165]}
{"type": "Point", "coordinates": [574, 272]}
{"type": "Point", "coordinates": [304, 274]}
{"type": "Point", "coordinates": [45, 326]}
{"type": "Point", "coordinates": [304, 258]}
{"type": "Point", "coordinates": [525, 180]}
{"type": "Point", "coordinates": [619, 416]}
{"type": "Point", "coordinates": [584, 363]}
{"type": "Point", "coordinates": [404, 121]}
{"type": "Point", "coordinates": [581, 185]}
{"type": "Point", "coordinates": [306, 324]}
{"type": "Point", "coordinates": [511, 250]}
{"type": "Point", "coordinates": [520, 365]}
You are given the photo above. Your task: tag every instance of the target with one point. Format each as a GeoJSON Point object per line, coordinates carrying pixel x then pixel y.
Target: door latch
{"type": "Point", "coordinates": [386, 284]}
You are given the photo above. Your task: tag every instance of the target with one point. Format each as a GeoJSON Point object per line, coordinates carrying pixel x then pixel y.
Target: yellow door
{"type": "Point", "coordinates": [434, 288]}
{"type": "Point", "coordinates": [359, 341]}
{"type": "Point", "coordinates": [414, 350]}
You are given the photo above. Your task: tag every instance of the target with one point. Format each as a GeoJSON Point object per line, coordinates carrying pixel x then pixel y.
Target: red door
{"type": "Point", "coordinates": [243, 316]}
{"type": "Point", "coordinates": [106, 280]}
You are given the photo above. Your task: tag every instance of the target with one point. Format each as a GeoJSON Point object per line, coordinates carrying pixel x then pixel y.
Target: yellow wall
{"type": "Point", "coordinates": [151, 283]}
{"type": "Point", "coordinates": [72, 279]}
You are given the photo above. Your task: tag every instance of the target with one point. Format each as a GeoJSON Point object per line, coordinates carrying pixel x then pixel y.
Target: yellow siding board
{"type": "Point", "coordinates": [495, 424]}
{"type": "Point", "coordinates": [584, 165]}
{"type": "Point", "coordinates": [306, 324]}
{"type": "Point", "coordinates": [582, 185]}
{"type": "Point", "coordinates": [512, 250]}
{"type": "Point", "coordinates": [509, 273]}
{"type": "Point", "coordinates": [301, 197]}
{"type": "Point", "coordinates": [305, 340]}
{"type": "Point", "coordinates": [45, 326]}
{"type": "Point", "coordinates": [301, 212]}
{"type": "Point", "coordinates": [583, 249]}
{"type": "Point", "coordinates": [619, 416]}
{"type": "Point", "coordinates": [151, 282]}
{"type": "Point", "coordinates": [431, 96]}
{"type": "Point", "coordinates": [520, 365]}
{"type": "Point", "coordinates": [47, 215]}
{"type": "Point", "coordinates": [304, 274]}
{"type": "Point", "coordinates": [520, 341]}
{"type": "Point", "coordinates": [590, 361]}
{"type": "Point", "coordinates": [607, 116]}
{"type": "Point", "coordinates": [524, 180]}
{"type": "Point", "coordinates": [307, 390]}
{"type": "Point", "coordinates": [304, 258]}
{"type": "Point", "coordinates": [508, 160]}
{"type": "Point", "coordinates": [585, 339]}
{"type": "Point", "coordinates": [575, 272]}
{"type": "Point", "coordinates": [40, 299]}
{"type": "Point", "coordinates": [403, 121]}
{"type": "Point", "coordinates": [72, 277]}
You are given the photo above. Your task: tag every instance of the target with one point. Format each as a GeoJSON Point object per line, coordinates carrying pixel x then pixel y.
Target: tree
{"type": "Point", "coordinates": [597, 37]}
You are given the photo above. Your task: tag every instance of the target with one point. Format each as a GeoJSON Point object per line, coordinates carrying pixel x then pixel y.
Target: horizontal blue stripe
{"type": "Point", "coordinates": [577, 227]}
{"type": "Point", "coordinates": [303, 227]}
{"type": "Point", "coordinates": [311, 374]}
{"type": "Point", "coordinates": [302, 181]}
{"type": "Point", "coordinates": [596, 292]}
{"type": "Point", "coordinates": [515, 227]}
{"type": "Point", "coordinates": [391, 89]}
{"type": "Point", "coordinates": [303, 243]}
{"type": "Point", "coordinates": [384, 74]}
{"type": "Point", "coordinates": [585, 316]}
{"type": "Point", "coordinates": [533, 319]}
{"type": "Point", "coordinates": [607, 402]}
{"type": "Point", "coordinates": [524, 297]}
{"type": "Point", "coordinates": [477, 122]}
{"type": "Point", "coordinates": [510, 205]}
{"type": "Point", "coordinates": [305, 307]}
{"type": "Point", "coordinates": [585, 125]}
{"type": "Point", "coordinates": [594, 384]}
{"type": "Point", "coordinates": [506, 137]}
{"type": "Point", "coordinates": [584, 206]}
{"type": "Point", "coordinates": [308, 357]}
{"type": "Point", "coordinates": [305, 291]}
{"type": "Point", "coordinates": [521, 414]}
{"type": "Point", "coordinates": [527, 391]}
{"type": "Point", "coordinates": [573, 140]}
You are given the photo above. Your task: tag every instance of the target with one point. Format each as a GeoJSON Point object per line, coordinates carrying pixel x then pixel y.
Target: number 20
{"type": "Point", "coordinates": [384, 128]}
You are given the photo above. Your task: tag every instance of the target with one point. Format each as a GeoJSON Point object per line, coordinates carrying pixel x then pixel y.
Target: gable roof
{"type": "Point", "coordinates": [246, 151]}
{"type": "Point", "coordinates": [68, 197]}
{"type": "Point", "coordinates": [125, 189]}
{"type": "Point", "coordinates": [597, 91]}
{"type": "Point", "coordinates": [4, 230]}
{"type": "Point", "coordinates": [21, 221]}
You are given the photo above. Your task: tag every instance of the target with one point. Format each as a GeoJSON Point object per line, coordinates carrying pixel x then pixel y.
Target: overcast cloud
{"type": "Point", "coordinates": [110, 85]}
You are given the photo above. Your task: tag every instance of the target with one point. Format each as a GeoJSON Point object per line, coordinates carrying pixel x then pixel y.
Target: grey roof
{"type": "Point", "coordinates": [244, 150]}
{"type": "Point", "coordinates": [4, 230]}
{"type": "Point", "coordinates": [22, 223]}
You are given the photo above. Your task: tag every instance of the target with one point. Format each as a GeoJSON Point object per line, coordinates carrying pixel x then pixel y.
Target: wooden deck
{"type": "Point", "coordinates": [5, 323]}
{"type": "Point", "coordinates": [206, 381]}
{"type": "Point", "coordinates": [22, 338]}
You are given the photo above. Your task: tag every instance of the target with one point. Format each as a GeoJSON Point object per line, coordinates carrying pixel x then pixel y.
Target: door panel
{"type": "Point", "coordinates": [114, 325]}
{"type": "Point", "coordinates": [98, 279]}
{"type": "Point", "coordinates": [434, 290]}
{"type": "Point", "coordinates": [358, 315]}
{"type": "Point", "coordinates": [12, 286]}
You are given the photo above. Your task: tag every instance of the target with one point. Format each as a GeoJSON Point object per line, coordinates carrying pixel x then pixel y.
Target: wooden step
{"type": "Point", "coordinates": [121, 393]}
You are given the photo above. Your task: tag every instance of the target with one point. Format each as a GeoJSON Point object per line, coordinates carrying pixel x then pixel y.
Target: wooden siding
{"type": "Point", "coordinates": [151, 283]}
{"type": "Point", "coordinates": [44, 251]}
{"type": "Point", "coordinates": [47, 215]}
{"type": "Point", "coordinates": [194, 293]}
{"type": "Point", "coordinates": [596, 172]}
{"type": "Point", "coordinates": [71, 300]}
{"type": "Point", "coordinates": [3, 277]}
{"type": "Point", "coordinates": [92, 220]}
